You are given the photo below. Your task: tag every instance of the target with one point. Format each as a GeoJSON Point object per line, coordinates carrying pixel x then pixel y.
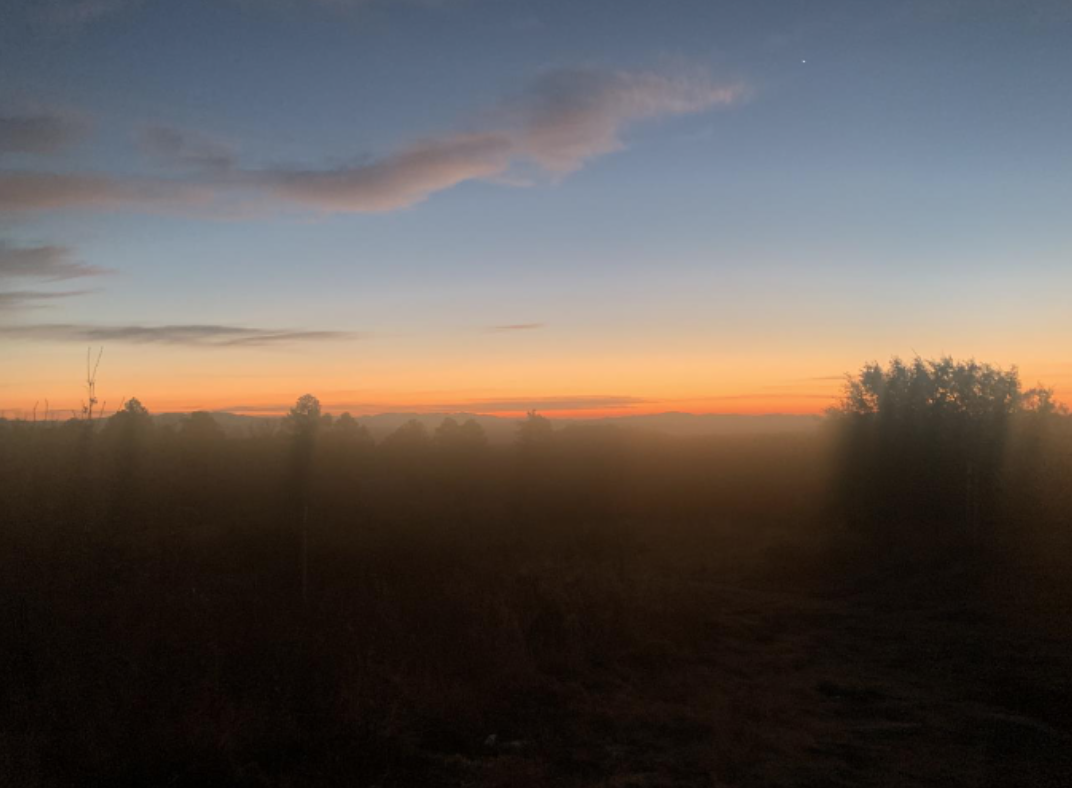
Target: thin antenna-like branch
{"type": "Point", "coordinates": [99, 354]}
{"type": "Point", "coordinates": [91, 383]}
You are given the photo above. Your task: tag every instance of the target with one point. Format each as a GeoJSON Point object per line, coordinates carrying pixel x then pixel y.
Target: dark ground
{"type": "Point", "coordinates": [739, 666]}
{"type": "Point", "coordinates": [804, 690]}
{"type": "Point", "coordinates": [790, 685]}
{"type": "Point", "coordinates": [673, 614]}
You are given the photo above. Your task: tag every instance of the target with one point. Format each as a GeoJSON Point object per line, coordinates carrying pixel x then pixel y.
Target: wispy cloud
{"type": "Point", "coordinates": [514, 327]}
{"type": "Point", "coordinates": [396, 181]}
{"type": "Point", "coordinates": [263, 337]}
{"type": "Point", "coordinates": [569, 116]}
{"type": "Point", "coordinates": [22, 191]}
{"type": "Point", "coordinates": [31, 299]}
{"type": "Point", "coordinates": [561, 121]}
{"type": "Point", "coordinates": [185, 149]}
{"type": "Point", "coordinates": [183, 334]}
{"type": "Point", "coordinates": [53, 263]}
{"type": "Point", "coordinates": [41, 133]}
{"type": "Point", "coordinates": [564, 119]}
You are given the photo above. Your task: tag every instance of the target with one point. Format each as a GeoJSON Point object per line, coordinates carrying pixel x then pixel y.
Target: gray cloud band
{"type": "Point", "coordinates": [197, 335]}
{"type": "Point", "coordinates": [52, 263]}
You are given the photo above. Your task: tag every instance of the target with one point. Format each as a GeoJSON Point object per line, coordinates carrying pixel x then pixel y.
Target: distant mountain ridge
{"type": "Point", "coordinates": [501, 429]}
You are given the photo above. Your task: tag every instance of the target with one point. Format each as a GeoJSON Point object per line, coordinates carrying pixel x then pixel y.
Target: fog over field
{"type": "Point", "coordinates": [501, 429]}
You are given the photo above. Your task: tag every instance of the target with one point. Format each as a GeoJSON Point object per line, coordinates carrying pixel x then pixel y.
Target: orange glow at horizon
{"type": "Point", "coordinates": [367, 380]}
{"type": "Point", "coordinates": [730, 405]}
{"type": "Point", "coordinates": [813, 401]}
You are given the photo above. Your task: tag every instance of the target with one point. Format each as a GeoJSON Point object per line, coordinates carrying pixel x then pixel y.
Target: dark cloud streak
{"type": "Point", "coordinates": [208, 335]}
{"type": "Point", "coordinates": [42, 133]}
{"type": "Point", "coordinates": [31, 299]}
{"type": "Point", "coordinates": [184, 148]}
{"type": "Point", "coordinates": [514, 327]}
{"type": "Point", "coordinates": [52, 263]}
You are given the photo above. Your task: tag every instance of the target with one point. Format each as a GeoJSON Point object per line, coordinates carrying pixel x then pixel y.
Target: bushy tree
{"type": "Point", "coordinates": [473, 435]}
{"type": "Point", "coordinates": [133, 416]}
{"type": "Point", "coordinates": [350, 432]}
{"type": "Point", "coordinates": [303, 421]}
{"type": "Point", "coordinates": [534, 431]}
{"type": "Point", "coordinates": [305, 417]}
{"type": "Point", "coordinates": [127, 435]}
{"type": "Point", "coordinates": [200, 426]}
{"type": "Point", "coordinates": [451, 437]}
{"type": "Point", "coordinates": [924, 441]}
{"type": "Point", "coordinates": [408, 441]}
{"type": "Point", "coordinates": [900, 391]}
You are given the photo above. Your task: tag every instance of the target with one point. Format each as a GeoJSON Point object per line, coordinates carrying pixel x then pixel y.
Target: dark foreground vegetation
{"type": "Point", "coordinates": [884, 602]}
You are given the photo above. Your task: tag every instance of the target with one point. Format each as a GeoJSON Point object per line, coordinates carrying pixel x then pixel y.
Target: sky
{"type": "Point", "coordinates": [592, 207]}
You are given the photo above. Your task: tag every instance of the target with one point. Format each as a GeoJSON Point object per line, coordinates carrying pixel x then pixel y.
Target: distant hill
{"type": "Point", "coordinates": [502, 429]}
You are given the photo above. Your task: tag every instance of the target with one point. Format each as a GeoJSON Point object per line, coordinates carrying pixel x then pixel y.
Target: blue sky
{"type": "Point", "coordinates": [798, 185]}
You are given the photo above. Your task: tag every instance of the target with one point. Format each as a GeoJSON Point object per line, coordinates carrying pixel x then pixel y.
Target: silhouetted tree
{"type": "Point", "coordinates": [125, 436]}
{"type": "Point", "coordinates": [202, 427]}
{"type": "Point", "coordinates": [473, 434]}
{"type": "Point", "coordinates": [451, 437]}
{"type": "Point", "coordinates": [1040, 402]}
{"type": "Point", "coordinates": [534, 431]}
{"type": "Point", "coordinates": [129, 427]}
{"type": "Point", "coordinates": [447, 432]}
{"type": "Point", "coordinates": [345, 452]}
{"type": "Point", "coordinates": [925, 440]}
{"type": "Point", "coordinates": [132, 416]}
{"type": "Point", "coordinates": [305, 417]}
{"type": "Point", "coordinates": [303, 421]}
{"type": "Point", "coordinates": [410, 438]}
{"type": "Point", "coordinates": [535, 444]}
{"type": "Point", "coordinates": [351, 432]}
{"type": "Point", "coordinates": [200, 443]}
